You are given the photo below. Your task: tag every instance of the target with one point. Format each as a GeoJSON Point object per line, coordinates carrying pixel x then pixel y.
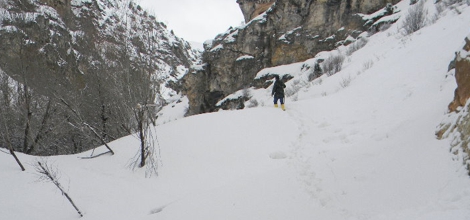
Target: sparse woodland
{"type": "Point", "coordinates": [78, 84]}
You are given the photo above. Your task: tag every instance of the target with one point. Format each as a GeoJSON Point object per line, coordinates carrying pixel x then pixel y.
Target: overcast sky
{"type": "Point", "coordinates": [195, 20]}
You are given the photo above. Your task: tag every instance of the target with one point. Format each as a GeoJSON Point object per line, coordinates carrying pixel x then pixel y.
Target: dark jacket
{"type": "Point", "coordinates": [278, 89]}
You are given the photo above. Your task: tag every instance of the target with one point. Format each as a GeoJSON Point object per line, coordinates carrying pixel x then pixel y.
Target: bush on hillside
{"type": "Point", "coordinates": [317, 72]}
{"type": "Point", "coordinates": [345, 82]}
{"type": "Point", "coordinates": [333, 64]}
{"type": "Point", "coordinates": [358, 44]}
{"type": "Point", "coordinates": [416, 18]}
{"type": "Point", "coordinates": [252, 103]}
{"type": "Point", "coordinates": [453, 2]}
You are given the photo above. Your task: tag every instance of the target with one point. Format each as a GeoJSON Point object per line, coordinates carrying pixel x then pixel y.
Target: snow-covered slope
{"type": "Point", "coordinates": [365, 150]}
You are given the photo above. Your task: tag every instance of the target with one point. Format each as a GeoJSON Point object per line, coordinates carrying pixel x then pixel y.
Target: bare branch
{"type": "Point", "coordinates": [95, 156]}
{"type": "Point", "coordinates": [99, 137]}
{"type": "Point", "coordinates": [48, 173]}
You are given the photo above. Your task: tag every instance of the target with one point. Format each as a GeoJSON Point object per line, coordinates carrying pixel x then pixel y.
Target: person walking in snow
{"type": "Point", "coordinates": [278, 92]}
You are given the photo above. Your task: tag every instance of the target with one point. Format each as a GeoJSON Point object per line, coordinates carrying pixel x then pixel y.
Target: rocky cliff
{"type": "Point", "coordinates": [462, 76]}
{"type": "Point", "coordinates": [65, 64]}
{"type": "Point", "coordinates": [289, 31]}
{"type": "Point", "coordinates": [457, 126]}
{"type": "Point", "coordinates": [69, 37]}
{"type": "Point", "coordinates": [253, 8]}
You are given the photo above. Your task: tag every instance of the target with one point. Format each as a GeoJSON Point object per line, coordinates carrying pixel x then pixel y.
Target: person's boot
{"type": "Point", "coordinates": [283, 107]}
{"type": "Point", "coordinates": [275, 105]}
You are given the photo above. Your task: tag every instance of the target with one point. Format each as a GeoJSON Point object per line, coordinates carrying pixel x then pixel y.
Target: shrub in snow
{"type": "Point", "coordinates": [333, 64]}
{"type": "Point", "coordinates": [358, 44]}
{"type": "Point", "coordinates": [441, 6]}
{"type": "Point", "coordinates": [235, 105]}
{"type": "Point", "coordinates": [453, 2]}
{"type": "Point", "coordinates": [252, 103]}
{"type": "Point", "coordinates": [367, 65]}
{"type": "Point", "coordinates": [295, 97]}
{"type": "Point", "coordinates": [345, 82]}
{"type": "Point", "coordinates": [246, 93]}
{"type": "Point", "coordinates": [317, 72]}
{"type": "Point", "coordinates": [294, 88]}
{"type": "Point", "coordinates": [320, 81]}
{"type": "Point", "coordinates": [416, 18]}
{"type": "Point", "coordinates": [385, 26]}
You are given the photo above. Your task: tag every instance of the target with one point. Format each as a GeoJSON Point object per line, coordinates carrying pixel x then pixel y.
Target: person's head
{"type": "Point", "coordinates": [277, 77]}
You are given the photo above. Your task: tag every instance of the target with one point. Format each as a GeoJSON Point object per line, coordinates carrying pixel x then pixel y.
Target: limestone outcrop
{"type": "Point", "coordinates": [457, 125]}
{"type": "Point", "coordinates": [289, 31]}
{"type": "Point", "coordinates": [462, 76]}
{"type": "Point", "coordinates": [253, 8]}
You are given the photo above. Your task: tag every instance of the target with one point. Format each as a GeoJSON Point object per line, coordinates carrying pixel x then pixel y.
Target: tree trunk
{"type": "Point", "coordinates": [28, 117]}
{"type": "Point", "coordinates": [12, 152]}
{"type": "Point", "coordinates": [39, 135]}
{"type": "Point", "coordinates": [10, 147]}
{"type": "Point", "coordinates": [104, 120]}
{"type": "Point", "coordinates": [141, 136]}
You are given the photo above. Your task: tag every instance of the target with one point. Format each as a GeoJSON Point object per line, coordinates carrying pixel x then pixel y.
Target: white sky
{"type": "Point", "coordinates": [195, 20]}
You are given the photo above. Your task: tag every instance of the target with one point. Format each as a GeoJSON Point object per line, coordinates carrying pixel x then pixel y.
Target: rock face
{"type": "Point", "coordinates": [59, 38]}
{"type": "Point", "coordinates": [253, 8]}
{"type": "Point", "coordinates": [462, 76]}
{"type": "Point", "coordinates": [458, 128]}
{"type": "Point", "coordinates": [289, 31]}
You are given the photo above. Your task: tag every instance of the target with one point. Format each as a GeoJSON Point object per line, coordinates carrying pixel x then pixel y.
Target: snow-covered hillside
{"type": "Point", "coordinates": [361, 150]}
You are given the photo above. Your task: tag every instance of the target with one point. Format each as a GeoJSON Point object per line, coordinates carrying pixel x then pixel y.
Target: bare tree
{"type": "Point", "coordinates": [142, 88]}
{"type": "Point", "coordinates": [67, 109]}
{"type": "Point", "coordinates": [26, 111]}
{"type": "Point", "coordinates": [144, 116]}
{"type": "Point", "coordinates": [416, 18]}
{"type": "Point", "coordinates": [50, 174]}
{"type": "Point", "coordinates": [147, 156]}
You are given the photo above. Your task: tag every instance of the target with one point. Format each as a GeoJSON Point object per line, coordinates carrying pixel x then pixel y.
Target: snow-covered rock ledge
{"type": "Point", "coordinates": [457, 125]}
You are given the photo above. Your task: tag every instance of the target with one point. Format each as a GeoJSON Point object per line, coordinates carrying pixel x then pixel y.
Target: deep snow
{"type": "Point", "coordinates": [363, 151]}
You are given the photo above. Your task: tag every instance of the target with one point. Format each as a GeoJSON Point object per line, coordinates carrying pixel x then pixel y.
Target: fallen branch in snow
{"type": "Point", "coordinates": [95, 156]}
{"type": "Point", "coordinates": [49, 174]}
